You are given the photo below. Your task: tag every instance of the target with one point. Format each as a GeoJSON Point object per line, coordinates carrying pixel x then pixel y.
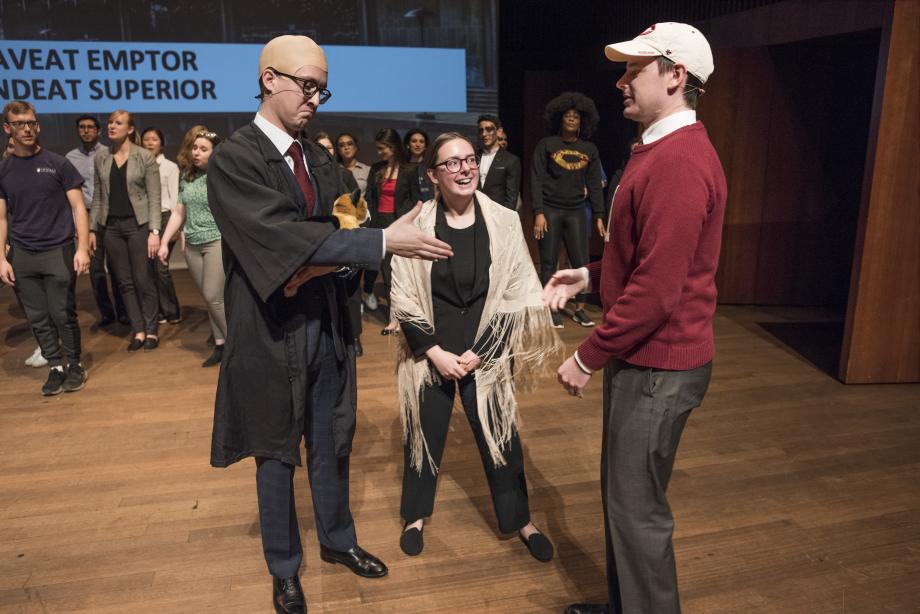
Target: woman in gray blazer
{"type": "Point", "coordinates": [126, 216]}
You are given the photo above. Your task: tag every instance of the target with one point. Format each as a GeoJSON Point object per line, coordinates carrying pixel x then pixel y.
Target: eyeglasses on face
{"type": "Point", "coordinates": [453, 165]}
{"type": "Point", "coordinates": [486, 129]}
{"type": "Point", "coordinates": [309, 86]}
{"type": "Point", "coordinates": [19, 125]}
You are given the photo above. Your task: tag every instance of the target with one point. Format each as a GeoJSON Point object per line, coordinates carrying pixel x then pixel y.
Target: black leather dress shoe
{"type": "Point", "coordinates": [287, 596]}
{"type": "Point", "coordinates": [361, 563]}
{"type": "Point", "coordinates": [587, 608]}
{"type": "Point", "coordinates": [135, 344]}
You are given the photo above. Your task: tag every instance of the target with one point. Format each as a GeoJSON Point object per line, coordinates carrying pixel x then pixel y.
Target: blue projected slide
{"type": "Point", "coordinates": [94, 77]}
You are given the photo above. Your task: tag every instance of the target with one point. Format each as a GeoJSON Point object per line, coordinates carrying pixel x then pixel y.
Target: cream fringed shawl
{"type": "Point", "coordinates": [513, 308]}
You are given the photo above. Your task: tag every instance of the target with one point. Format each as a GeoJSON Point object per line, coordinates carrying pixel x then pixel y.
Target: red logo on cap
{"type": "Point", "coordinates": [650, 29]}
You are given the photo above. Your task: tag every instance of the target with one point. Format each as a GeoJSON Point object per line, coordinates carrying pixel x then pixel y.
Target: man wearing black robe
{"type": "Point", "coordinates": [289, 367]}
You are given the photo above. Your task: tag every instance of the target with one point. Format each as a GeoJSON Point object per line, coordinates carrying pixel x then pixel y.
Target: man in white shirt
{"type": "Point", "coordinates": [499, 169]}
{"type": "Point", "coordinates": [82, 157]}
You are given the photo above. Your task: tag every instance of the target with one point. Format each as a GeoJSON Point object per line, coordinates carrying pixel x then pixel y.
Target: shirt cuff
{"type": "Point", "coordinates": [581, 365]}
{"type": "Point", "coordinates": [587, 277]}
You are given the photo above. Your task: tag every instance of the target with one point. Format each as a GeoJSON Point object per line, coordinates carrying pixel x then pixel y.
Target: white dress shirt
{"type": "Point", "coordinates": [485, 163]}
{"type": "Point", "coordinates": [665, 126]}
{"type": "Point", "coordinates": [169, 183]}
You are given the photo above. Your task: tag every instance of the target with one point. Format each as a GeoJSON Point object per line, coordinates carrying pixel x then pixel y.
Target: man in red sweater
{"type": "Point", "coordinates": [657, 284]}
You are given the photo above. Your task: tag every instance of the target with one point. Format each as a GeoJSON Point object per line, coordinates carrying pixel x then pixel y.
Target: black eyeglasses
{"type": "Point", "coordinates": [309, 86]}
{"type": "Point", "coordinates": [32, 123]}
{"type": "Point", "coordinates": [453, 165]}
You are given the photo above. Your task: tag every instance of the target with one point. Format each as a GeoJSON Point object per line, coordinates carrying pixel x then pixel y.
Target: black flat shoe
{"type": "Point", "coordinates": [587, 608]}
{"type": "Point", "coordinates": [411, 541]}
{"type": "Point", "coordinates": [151, 343]}
{"type": "Point", "coordinates": [359, 349]}
{"type": "Point", "coordinates": [216, 356]}
{"type": "Point", "coordinates": [539, 547]}
{"type": "Point", "coordinates": [135, 344]}
{"type": "Point", "coordinates": [386, 331]}
{"type": "Point", "coordinates": [361, 563]}
{"type": "Point", "coordinates": [287, 596]}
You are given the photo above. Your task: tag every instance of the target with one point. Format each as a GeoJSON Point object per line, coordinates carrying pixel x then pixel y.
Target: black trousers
{"type": "Point", "coordinates": [566, 226]}
{"type": "Point", "coordinates": [328, 474]}
{"type": "Point", "coordinates": [383, 221]}
{"type": "Point", "coordinates": [354, 312]}
{"type": "Point", "coordinates": [99, 280]}
{"type": "Point", "coordinates": [45, 286]}
{"type": "Point", "coordinates": [507, 484]}
{"type": "Point", "coordinates": [126, 244]}
{"type": "Point", "coordinates": [645, 411]}
{"type": "Point", "coordinates": [166, 290]}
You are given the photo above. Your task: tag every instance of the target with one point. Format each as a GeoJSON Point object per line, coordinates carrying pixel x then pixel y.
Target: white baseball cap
{"type": "Point", "coordinates": [679, 42]}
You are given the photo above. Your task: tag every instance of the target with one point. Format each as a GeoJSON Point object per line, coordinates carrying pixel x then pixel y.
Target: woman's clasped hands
{"type": "Point", "coordinates": [451, 366]}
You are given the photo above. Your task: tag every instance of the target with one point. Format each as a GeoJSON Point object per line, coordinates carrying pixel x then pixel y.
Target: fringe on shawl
{"type": "Point", "coordinates": [528, 345]}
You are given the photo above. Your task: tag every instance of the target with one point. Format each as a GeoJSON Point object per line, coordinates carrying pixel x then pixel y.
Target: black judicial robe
{"type": "Point", "coordinates": [261, 213]}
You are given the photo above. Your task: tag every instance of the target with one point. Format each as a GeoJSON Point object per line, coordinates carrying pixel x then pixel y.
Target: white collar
{"type": "Point", "coordinates": [160, 158]}
{"type": "Point", "coordinates": [279, 138]}
{"type": "Point", "coordinates": [665, 126]}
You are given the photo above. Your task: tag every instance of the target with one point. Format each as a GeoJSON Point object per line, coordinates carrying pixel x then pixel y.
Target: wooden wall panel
{"type": "Point", "coordinates": [733, 127]}
{"type": "Point", "coordinates": [793, 149]}
{"type": "Point", "coordinates": [882, 338]}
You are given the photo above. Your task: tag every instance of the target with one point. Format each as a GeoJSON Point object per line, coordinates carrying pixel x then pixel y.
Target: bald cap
{"type": "Point", "coordinates": [290, 53]}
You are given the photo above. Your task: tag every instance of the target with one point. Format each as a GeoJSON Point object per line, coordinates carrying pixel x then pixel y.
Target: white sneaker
{"type": "Point", "coordinates": [36, 359]}
{"type": "Point", "coordinates": [370, 301]}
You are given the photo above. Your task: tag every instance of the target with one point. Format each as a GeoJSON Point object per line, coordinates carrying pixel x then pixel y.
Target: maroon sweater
{"type": "Point", "coordinates": [657, 275]}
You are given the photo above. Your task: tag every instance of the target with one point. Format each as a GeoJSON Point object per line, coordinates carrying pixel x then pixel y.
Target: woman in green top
{"type": "Point", "coordinates": [202, 238]}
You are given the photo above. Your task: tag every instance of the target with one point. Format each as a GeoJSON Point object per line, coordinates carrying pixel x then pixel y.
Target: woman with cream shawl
{"type": "Point", "coordinates": [474, 322]}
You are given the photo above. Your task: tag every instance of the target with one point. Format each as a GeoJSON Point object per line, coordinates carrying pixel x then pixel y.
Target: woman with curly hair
{"type": "Point", "coordinates": [202, 237]}
{"type": "Point", "coordinates": [566, 169]}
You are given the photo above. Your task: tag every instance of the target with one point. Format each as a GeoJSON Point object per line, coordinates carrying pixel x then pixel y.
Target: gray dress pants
{"type": "Point", "coordinates": [645, 411]}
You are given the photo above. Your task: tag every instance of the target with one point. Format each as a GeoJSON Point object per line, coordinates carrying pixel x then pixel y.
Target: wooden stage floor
{"type": "Point", "coordinates": [793, 493]}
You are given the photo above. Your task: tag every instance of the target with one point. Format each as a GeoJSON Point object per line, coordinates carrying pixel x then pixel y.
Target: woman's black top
{"type": "Point", "coordinates": [119, 202]}
{"type": "Point", "coordinates": [459, 286]}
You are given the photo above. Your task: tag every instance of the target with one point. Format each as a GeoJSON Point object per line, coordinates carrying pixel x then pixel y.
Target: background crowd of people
{"type": "Point", "coordinates": [140, 205]}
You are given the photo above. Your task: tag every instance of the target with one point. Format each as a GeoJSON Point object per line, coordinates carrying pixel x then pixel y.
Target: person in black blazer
{"type": "Point", "coordinates": [384, 195]}
{"type": "Point", "coordinates": [499, 169]}
{"type": "Point", "coordinates": [125, 216]}
{"type": "Point", "coordinates": [470, 323]}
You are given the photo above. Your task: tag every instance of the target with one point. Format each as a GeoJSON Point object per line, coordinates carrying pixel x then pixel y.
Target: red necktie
{"type": "Point", "coordinates": [303, 178]}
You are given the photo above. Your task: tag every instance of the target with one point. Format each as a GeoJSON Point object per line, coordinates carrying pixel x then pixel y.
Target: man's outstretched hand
{"type": "Point", "coordinates": [405, 239]}
{"type": "Point", "coordinates": [562, 287]}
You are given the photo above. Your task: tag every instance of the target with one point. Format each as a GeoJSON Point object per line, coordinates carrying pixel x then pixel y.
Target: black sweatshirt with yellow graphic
{"type": "Point", "coordinates": [562, 170]}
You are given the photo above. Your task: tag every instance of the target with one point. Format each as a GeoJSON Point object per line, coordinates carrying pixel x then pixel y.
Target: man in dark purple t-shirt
{"type": "Point", "coordinates": [41, 208]}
